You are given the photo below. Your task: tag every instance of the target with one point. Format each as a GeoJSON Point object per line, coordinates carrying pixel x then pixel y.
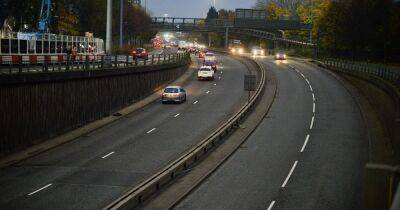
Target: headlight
{"type": "Point", "coordinates": [233, 50]}
{"type": "Point", "coordinates": [240, 50]}
{"type": "Point", "coordinates": [262, 52]}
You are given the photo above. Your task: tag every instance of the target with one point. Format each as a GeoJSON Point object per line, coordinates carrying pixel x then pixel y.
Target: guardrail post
{"type": "Point", "coordinates": [159, 58]}
{"type": "Point", "coordinates": [102, 62]}
{"type": "Point", "coordinates": [116, 61]}
{"type": "Point", "coordinates": [165, 56]}
{"type": "Point", "coordinates": [127, 61]}
{"type": "Point", "coordinates": [67, 63]}
{"type": "Point", "coordinates": [152, 59]}
{"type": "Point", "coordinates": [169, 58]}
{"type": "Point", "coordinates": [46, 63]}
{"type": "Point", "coordinates": [86, 62]}
{"type": "Point", "coordinates": [136, 61]}
{"type": "Point", "coordinates": [20, 63]}
{"type": "Point", "coordinates": [144, 61]}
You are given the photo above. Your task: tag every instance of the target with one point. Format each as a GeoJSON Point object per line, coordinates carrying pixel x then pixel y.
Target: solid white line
{"type": "Point", "coordinates": [312, 122]}
{"type": "Point", "coordinates": [271, 205]}
{"type": "Point", "coordinates": [219, 78]}
{"type": "Point", "coordinates": [313, 97]}
{"type": "Point", "coordinates": [195, 102]}
{"type": "Point", "coordinates": [303, 75]}
{"type": "Point", "coordinates": [215, 84]}
{"type": "Point", "coordinates": [177, 115]}
{"type": "Point", "coordinates": [305, 143]}
{"type": "Point", "coordinates": [107, 155]}
{"type": "Point", "coordinates": [308, 81]}
{"type": "Point", "coordinates": [313, 107]}
{"type": "Point", "coordinates": [290, 174]}
{"type": "Point", "coordinates": [311, 88]}
{"type": "Point", "coordinates": [40, 189]}
{"type": "Point", "coordinates": [153, 129]}
{"type": "Point", "coordinates": [208, 92]}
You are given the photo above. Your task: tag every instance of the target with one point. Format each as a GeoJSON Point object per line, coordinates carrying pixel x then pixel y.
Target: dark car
{"type": "Point", "coordinates": [213, 64]}
{"type": "Point", "coordinates": [140, 53]}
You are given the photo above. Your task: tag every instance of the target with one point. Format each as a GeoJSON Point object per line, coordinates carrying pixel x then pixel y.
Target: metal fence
{"type": "Point", "coordinates": [388, 74]}
{"type": "Point", "coordinates": [61, 63]}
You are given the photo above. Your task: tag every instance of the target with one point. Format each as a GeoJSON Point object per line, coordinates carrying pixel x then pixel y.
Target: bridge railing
{"type": "Point", "coordinates": [48, 63]}
{"type": "Point", "coordinates": [239, 23]}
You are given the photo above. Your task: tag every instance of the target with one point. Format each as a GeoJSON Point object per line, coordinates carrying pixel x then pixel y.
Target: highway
{"type": "Point", "coordinates": [307, 153]}
{"type": "Point", "coordinates": [91, 171]}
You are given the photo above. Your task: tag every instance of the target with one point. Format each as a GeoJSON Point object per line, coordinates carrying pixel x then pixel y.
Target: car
{"type": "Point", "coordinates": [140, 53]}
{"type": "Point", "coordinates": [205, 73]}
{"type": "Point", "coordinates": [173, 94]}
{"type": "Point", "coordinates": [280, 56]}
{"type": "Point", "coordinates": [257, 51]}
{"type": "Point", "coordinates": [202, 54]}
{"type": "Point", "coordinates": [211, 63]}
{"type": "Point", "coordinates": [237, 50]}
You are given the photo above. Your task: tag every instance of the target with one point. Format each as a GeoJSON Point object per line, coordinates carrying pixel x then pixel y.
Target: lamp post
{"type": "Point", "coordinates": [121, 21]}
{"type": "Point", "coordinates": [109, 27]}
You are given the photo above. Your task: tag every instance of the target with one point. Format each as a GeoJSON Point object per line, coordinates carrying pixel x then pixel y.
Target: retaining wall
{"type": "Point", "coordinates": [36, 107]}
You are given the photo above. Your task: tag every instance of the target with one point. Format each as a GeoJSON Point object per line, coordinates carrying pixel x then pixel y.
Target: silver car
{"type": "Point", "coordinates": [173, 94]}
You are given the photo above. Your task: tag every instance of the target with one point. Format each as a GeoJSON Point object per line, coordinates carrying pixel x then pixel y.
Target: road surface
{"type": "Point", "coordinates": [308, 152]}
{"type": "Point", "coordinates": [91, 171]}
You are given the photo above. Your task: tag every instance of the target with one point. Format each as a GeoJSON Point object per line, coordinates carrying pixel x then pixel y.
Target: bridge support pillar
{"type": "Point", "coordinates": [226, 37]}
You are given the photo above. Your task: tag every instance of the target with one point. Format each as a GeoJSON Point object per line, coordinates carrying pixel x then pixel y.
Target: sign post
{"type": "Point", "coordinates": [249, 83]}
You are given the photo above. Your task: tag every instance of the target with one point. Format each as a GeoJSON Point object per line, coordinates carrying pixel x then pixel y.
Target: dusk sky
{"type": "Point", "coordinates": [193, 8]}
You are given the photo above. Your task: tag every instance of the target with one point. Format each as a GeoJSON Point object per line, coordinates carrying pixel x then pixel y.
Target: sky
{"type": "Point", "coordinates": [193, 8]}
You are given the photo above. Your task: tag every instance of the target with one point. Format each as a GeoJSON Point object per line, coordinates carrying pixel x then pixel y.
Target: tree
{"type": "Point", "coordinates": [226, 14]}
{"type": "Point", "coordinates": [212, 13]}
{"type": "Point", "coordinates": [275, 12]}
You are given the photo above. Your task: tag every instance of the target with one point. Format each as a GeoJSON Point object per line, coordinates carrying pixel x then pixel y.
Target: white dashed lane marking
{"type": "Point", "coordinates": [271, 205]}
{"type": "Point", "coordinates": [105, 156]}
{"type": "Point", "coordinates": [290, 174]}
{"type": "Point", "coordinates": [150, 131]}
{"type": "Point", "coordinates": [40, 189]}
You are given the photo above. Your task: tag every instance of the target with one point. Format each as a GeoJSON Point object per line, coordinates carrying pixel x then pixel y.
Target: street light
{"type": "Point", "coordinates": [109, 27]}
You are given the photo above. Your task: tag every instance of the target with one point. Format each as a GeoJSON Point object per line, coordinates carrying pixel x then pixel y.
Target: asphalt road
{"type": "Point", "coordinates": [308, 152]}
{"type": "Point", "coordinates": [91, 171]}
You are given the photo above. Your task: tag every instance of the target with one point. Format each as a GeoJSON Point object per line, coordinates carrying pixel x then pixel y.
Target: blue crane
{"type": "Point", "coordinates": [45, 18]}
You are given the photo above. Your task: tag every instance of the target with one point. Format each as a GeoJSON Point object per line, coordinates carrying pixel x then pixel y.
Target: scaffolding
{"type": "Point", "coordinates": [18, 43]}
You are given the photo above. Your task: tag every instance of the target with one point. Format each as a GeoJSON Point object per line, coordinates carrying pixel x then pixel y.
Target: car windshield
{"type": "Point", "coordinates": [209, 63]}
{"type": "Point", "coordinates": [205, 69]}
{"type": "Point", "coordinates": [139, 50]}
{"type": "Point", "coordinates": [171, 90]}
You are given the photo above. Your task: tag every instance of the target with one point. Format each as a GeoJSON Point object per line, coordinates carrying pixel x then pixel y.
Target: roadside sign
{"type": "Point", "coordinates": [250, 82]}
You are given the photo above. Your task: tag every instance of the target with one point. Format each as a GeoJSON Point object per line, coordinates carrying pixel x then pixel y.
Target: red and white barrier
{"type": "Point", "coordinates": [40, 59]}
